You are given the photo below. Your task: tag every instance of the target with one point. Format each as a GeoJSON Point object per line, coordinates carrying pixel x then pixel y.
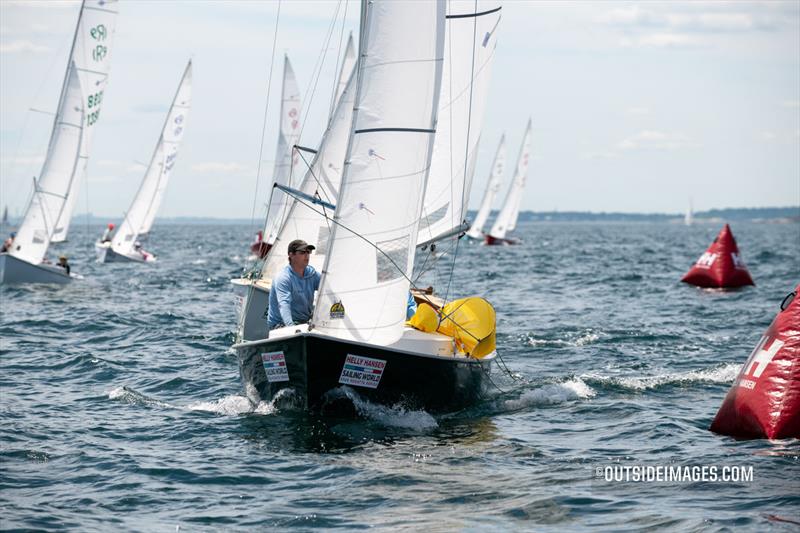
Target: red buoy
{"type": "Point", "coordinates": [764, 401]}
{"type": "Point", "coordinates": [720, 266]}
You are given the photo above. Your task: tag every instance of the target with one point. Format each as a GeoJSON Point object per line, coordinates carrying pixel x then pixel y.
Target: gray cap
{"type": "Point", "coordinates": [299, 245]}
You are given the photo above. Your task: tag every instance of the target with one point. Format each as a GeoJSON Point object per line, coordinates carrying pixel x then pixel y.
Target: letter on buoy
{"type": "Point", "coordinates": [720, 266]}
{"type": "Point", "coordinates": [764, 401]}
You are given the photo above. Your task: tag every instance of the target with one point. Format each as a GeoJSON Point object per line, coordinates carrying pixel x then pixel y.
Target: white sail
{"type": "Point", "coordinates": [371, 251]}
{"type": "Point", "coordinates": [470, 41]}
{"type": "Point", "coordinates": [91, 57]}
{"type": "Point", "coordinates": [286, 159]}
{"type": "Point", "coordinates": [59, 170]}
{"type": "Point", "coordinates": [139, 217]}
{"type": "Point", "coordinates": [688, 218]}
{"type": "Point", "coordinates": [308, 221]}
{"type": "Point", "coordinates": [507, 218]}
{"type": "Point", "coordinates": [492, 188]}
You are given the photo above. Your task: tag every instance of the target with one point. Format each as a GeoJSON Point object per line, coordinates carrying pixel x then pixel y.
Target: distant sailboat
{"type": "Point", "coordinates": [688, 218]}
{"type": "Point", "coordinates": [506, 220]}
{"type": "Point", "coordinates": [286, 160]}
{"type": "Point", "coordinates": [492, 188]}
{"type": "Point", "coordinates": [4, 221]}
{"type": "Point", "coordinates": [125, 245]}
{"type": "Point", "coordinates": [55, 192]}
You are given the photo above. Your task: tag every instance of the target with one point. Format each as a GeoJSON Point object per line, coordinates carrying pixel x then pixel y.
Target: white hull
{"type": "Point", "coordinates": [107, 254]}
{"type": "Point", "coordinates": [15, 270]}
{"type": "Point", "coordinates": [252, 301]}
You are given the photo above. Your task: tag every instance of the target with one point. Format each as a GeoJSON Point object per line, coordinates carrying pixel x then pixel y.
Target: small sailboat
{"type": "Point", "coordinates": [506, 220]}
{"type": "Point", "coordinates": [286, 160]}
{"type": "Point", "coordinates": [54, 194]}
{"type": "Point", "coordinates": [688, 218]}
{"type": "Point", "coordinates": [492, 188]}
{"type": "Point", "coordinates": [125, 246]}
{"type": "Point", "coordinates": [357, 336]}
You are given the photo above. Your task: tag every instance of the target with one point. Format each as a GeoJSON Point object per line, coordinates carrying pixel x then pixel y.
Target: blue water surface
{"type": "Point", "coordinates": [122, 408]}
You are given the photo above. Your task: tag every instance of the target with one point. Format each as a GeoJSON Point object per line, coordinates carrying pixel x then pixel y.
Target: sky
{"type": "Point", "coordinates": [637, 106]}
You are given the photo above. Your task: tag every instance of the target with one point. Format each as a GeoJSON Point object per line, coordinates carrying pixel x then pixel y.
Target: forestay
{"type": "Point", "coordinates": [507, 218]}
{"type": "Point", "coordinates": [140, 216]}
{"type": "Point", "coordinates": [471, 38]}
{"type": "Point", "coordinates": [47, 217]}
{"type": "Point", "coordinates": [286, 159]}
{"type": "Point", "coordinates": [371, 251]}
{"type": "Point", "coordinates": [492, 188]}
{"type": "Point", "coordinates": [91, 56]}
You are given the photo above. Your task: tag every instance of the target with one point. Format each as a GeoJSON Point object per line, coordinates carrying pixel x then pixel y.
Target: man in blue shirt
{"type": "Point", "coordinates": [291, 297]}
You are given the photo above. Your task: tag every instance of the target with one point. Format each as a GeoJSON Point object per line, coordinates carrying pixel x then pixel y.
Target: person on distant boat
{"type": "Point", "coordinates": [411, 306]}
{"type": "Point", "coordinates": [62, 262]}
{"type": "Point", "coordinates": [137, 246]}
{"type": "Point", "coordinates": [259, 248]}
{"type": "Point", "coordinates": [107, 233]}
{"type": "Point", "coordinates": [291, 296]}
{"type": "Point", "coordinates": [8, 242]}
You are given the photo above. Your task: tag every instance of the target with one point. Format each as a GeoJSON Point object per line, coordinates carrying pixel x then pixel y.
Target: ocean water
{"type": "Point", "coordinates": [121, 406]}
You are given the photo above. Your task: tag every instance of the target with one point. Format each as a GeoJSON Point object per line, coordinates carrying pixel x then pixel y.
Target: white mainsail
{"type": "Point", "coordinates": [91, 57]}
{"type": "Point", "coordinates": [311, 222]}
{"type": "Point", "coordinates": [139, 218]}
{"type": "Point", "coordinates": [286, 159]}
{"type": "Point", "coordinates": [507, 218]}
{"type": "Point", "coordinates": [492, 188]}
{"type": "Point", "coordinates": [50, 210]}
{"type": "Point", "coordinates": [371, 250]}
{"type": "Point", "coordinates": [470, 42]}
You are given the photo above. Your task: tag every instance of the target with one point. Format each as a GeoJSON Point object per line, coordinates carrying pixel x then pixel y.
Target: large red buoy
{"type": "Point", "coordinates": [764, 401]}
{"type": "Point", "coordinates": [720, 266]}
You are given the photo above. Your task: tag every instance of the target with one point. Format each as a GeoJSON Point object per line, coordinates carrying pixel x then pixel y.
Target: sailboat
{"type": "Point", "coordinates": [49, 212]}
{"type": "Point", "coordinates": [492, 188]}
{"type": "Point", "coordinates": [506, 220]}
{"type": "Point", "coordinates": [125, 245]}
{"type": "Point", "coordinates": [286, 160]}
{"type": "Point", "coordinates": [357, 335]}
{"type": "Point", "coordinates": [688, 218]}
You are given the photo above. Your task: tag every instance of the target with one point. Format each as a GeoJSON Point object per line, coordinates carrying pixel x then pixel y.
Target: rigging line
{"type": "Point", "coordinates": [264, 124]}
{"type": "Point", "coordinates": [311, 171]}
{"type": "Point", "coordinates": [338, 56]}
{"type": "Point", "coordinates": [318, 68]}
{"type": "Point", "coordinates": [469, 129]}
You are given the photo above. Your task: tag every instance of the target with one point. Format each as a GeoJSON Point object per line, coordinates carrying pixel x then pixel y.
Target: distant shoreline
{"type": "Point", "coordinates": [713, 216]}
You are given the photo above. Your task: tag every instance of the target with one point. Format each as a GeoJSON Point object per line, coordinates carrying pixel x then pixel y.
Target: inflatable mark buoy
{"type": "Point", "coordinates": [764, 401]}
{"type": "Point", "coordinates": [720, 266]}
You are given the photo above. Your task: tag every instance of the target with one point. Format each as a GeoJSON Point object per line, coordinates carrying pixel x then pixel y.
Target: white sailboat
{"type": "Point", "coordinates": [688, 218]}
{"type": "Point", "coordinates": [286, 160]}
{"type": "Point", "coordinates": [55, 192]}
{"type": "Point", "coordinates": [357, 335]}
{"type": "Point", "coordinates": [125, 246]}
{"type": "Point", "coordinates": [492, 188]}
{"type": "Point", "coordinates": [506, 220]}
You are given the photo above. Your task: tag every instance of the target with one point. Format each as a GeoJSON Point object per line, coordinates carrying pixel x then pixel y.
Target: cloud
{"type": "Point", "coordinates": [24, 160]}
{"type": "Point", "coordinates": [108, 163]}
{"type": "Point", "coordinates": [19, 46]}
{"type": "Point", "coordinates": [638, 110]}
{"type": "Point", "coordinates": [600, 155]}
{"type": "Point", "coordinates": [657, 140]}
{"type": "Point", "coordinates": [767, 136]}
{"type": "Point", "coordinates": [661, 40]}
{"type": "Point", "coordinates": [791, 104]}
{"type": "Point", "coordinates": [232, 168]}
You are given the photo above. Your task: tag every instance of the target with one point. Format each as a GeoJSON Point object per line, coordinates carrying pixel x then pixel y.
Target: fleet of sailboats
{"type": "Point", "coordinates": [55, 192]}
{"type": "Point", "coordinates": [125, 244]}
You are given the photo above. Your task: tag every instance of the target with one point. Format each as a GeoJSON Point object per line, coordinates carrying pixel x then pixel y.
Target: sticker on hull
{"type": "Point", "coordinates": [275, 366]}
{"type": "Point", "coordinates": [362, 371]}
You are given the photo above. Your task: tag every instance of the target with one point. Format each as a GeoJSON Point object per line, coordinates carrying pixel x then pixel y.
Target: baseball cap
{"type": "Point", "coordinates": [299, 245]}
